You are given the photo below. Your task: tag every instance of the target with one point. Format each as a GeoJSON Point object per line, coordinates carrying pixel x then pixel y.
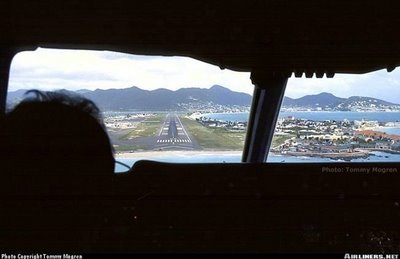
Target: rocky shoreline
{"type": "Point", "coordinates": [347, 156]}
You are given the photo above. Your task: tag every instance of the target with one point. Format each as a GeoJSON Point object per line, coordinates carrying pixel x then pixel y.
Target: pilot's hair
{"type": "Point", "coordinates": [55, 146]}
{"type": "Point", "coordinates": [67, 98]}
{"type": "Point", "coordinates": [59, 132]}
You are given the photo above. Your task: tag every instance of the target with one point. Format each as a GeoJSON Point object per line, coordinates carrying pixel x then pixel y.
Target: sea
{"type": "Point", "coordinates": [235, 157]}
{"type": "Point", "coordinates": [315, 116]}
{"type": "Point", "coordinates": [375, 156]}
{"type": "Point", "coordinates": [393, 131]}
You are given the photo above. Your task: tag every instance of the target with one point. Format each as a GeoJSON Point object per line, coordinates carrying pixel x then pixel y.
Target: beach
{"type": "Point", "coordinates": [158, 154]}
{"type": "Point", "coordinates": [358, 153]}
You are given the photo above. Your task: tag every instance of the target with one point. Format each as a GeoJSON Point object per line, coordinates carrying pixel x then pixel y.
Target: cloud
{"type": "Point", "coordinates": [379, 84]}
{"type": "Point", "coordinates": [82, 69]}
{"type": "Point", "coordinates": [77, 69]}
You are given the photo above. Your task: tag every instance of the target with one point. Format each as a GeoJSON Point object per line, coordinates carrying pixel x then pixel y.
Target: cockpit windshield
{"type": "Point", "coordinates": [173, 109]}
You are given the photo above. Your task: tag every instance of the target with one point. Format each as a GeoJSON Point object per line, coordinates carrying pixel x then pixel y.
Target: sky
{"type": "Point", "coordinates": [51, 69]}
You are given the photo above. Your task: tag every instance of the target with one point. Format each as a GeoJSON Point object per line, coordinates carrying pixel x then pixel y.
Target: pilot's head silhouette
{"type": "Point", "coordinates": [60, 138]}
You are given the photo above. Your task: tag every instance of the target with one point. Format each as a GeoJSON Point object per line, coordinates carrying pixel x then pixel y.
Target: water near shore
{"type": "Point", "coordinates": [315, 116]}
{"type": "Point", "coordinates": [339, 116]}
{"type": "Point", "coordinates": [235, 157]}
{"type": "Point", "coordinates": [179, 157]}
{"type": "Point", "coordinates": [237, 116]}
{"type": "Point", "coordinates": [389, 130]}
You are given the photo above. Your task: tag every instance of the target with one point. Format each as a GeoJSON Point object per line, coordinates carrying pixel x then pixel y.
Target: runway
{"type": "Point", "coordinates": [173, 135]}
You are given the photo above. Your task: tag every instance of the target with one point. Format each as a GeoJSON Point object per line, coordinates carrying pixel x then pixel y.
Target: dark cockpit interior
{"type": "Point", "coordinates": [246, 207]}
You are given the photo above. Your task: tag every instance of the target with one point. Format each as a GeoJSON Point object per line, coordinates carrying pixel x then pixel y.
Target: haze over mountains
{"type": "Point", "coordinates": [135, 98]}
{"type": "Point", "coordinates": [327, 101]}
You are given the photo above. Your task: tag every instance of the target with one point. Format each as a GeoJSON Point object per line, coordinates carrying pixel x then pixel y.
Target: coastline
{"type": "Point", "coordinates": [155, 154]}
{"type": "Point", "coordinates": [383, 128]}
{"type": "Point", "coordinates": [347, 156]}
{"type": "Point", "coordinates": [360, 153]}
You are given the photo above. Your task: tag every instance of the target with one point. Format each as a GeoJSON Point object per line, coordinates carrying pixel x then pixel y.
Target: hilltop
{"type": "Point", "coordinates": [330, 102]}
{"type": "Point", "coordinates": [184, 99]}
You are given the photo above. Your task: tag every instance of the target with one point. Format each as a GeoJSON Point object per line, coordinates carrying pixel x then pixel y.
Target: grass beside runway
{"type": "Point", "coordinates": [220, 138]}
{"type": "Point", "coordinates": [208, 138]}
{"type": "Point", "coordinates": [147, 128]}
{"type": "Point", "coordinates": [214, 138]}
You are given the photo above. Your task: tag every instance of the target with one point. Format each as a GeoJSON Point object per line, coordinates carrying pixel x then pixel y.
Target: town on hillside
{"type": "Point", "coordinates": [334, 139]}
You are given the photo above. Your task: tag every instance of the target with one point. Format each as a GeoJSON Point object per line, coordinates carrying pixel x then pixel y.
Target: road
{"type": "Point", "coordinates": [173, 135]}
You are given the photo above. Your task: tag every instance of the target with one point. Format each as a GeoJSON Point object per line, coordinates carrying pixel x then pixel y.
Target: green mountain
{"type": "Point", "coordinates": [327, 101]}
